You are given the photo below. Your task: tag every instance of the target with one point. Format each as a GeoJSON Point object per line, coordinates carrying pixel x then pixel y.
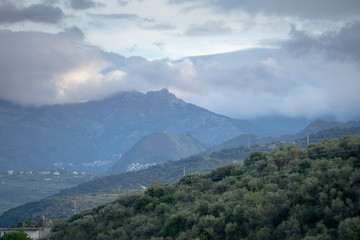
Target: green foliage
{"type": "Point", "coordinates": [257, 165]}
{"type": "Point", "coordinates": [15, 236]}
{"type": "Point", "coordinates": [288, 193]}
{"type": "Point", "coordinates": [349, 228]}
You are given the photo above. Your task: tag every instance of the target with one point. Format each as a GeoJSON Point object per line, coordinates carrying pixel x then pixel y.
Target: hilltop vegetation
{"type": "Point", "coordinates": [289, 193]}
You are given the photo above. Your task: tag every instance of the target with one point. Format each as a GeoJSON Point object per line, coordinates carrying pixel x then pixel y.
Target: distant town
{"type": "Point", "coordinates": [43, 172]}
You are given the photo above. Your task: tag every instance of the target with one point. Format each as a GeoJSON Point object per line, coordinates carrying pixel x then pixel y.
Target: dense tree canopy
{"type": "Point", "coordinates": [15, 236]}
{"type": "Point", "coordinates": [289, 193]}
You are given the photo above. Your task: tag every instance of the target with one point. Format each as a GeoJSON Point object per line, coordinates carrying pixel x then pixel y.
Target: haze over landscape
{"type": "Point", "coordinates": [179, 119]}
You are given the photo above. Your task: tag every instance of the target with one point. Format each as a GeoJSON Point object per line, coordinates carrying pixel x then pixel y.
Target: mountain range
{"type": "Point", "coordinates": [313, 128]}
{"type": "Point", "coordinates": [90, 136]}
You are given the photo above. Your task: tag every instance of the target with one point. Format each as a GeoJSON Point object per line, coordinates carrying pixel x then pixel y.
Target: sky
{"type": "Point", "coordinates": [243, 59]}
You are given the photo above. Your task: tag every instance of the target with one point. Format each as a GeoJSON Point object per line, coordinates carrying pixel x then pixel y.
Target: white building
{"type": "Point", "coordinates": [34, 233]}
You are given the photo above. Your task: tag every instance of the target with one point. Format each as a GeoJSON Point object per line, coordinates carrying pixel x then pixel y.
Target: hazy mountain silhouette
{"type": "Point", "coordinates": [90, 136]}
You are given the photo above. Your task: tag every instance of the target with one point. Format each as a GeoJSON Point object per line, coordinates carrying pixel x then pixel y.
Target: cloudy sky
{"type": "Point", "coordinates": [240, 58]}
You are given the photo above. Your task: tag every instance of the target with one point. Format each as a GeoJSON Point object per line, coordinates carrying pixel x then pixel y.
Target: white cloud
{"type": "Point", "coordinates": [39, 68]}
{"type": "Point", "coordinates": [314, 72]}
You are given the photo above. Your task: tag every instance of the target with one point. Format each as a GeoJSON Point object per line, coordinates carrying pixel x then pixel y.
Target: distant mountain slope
{"type": "Point", "coordinates": [242, 140]}
{"type": "Point", "coordinates": [90, 136]}
{"type": "Point", "coordinates": [331, 133]}
{"type": "Point", "coordinates": [320, 125]}
{"type": "Point", "coordinates": [335, 130]}
{"type": "Point", "coordinates": [157, 148]}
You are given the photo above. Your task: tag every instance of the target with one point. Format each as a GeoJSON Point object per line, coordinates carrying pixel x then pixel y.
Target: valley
{"type": "Point", "coordinates": [19, 187]}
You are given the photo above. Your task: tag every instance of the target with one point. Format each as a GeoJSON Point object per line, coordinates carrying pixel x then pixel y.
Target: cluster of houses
{"type": "Point", "coordinates": [138, 166]}
{"type": "Point", "coordinates": [11, 172]}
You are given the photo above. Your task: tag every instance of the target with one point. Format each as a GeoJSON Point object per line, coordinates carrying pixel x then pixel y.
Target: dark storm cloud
{"type": "Point", "coordinates": [82, 4]}
{"type": "Point", "coordinates": [337, 44]}
{"type": "Point", "coordinates": [43, 13]}
{"type": "Point", "coordinates": [208, 28]}
{"type": "Point", "coordinates": [305, 8]}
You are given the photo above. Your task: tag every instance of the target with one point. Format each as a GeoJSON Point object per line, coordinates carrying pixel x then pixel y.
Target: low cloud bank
{"type": "Point", "coordinates": [309, 76]}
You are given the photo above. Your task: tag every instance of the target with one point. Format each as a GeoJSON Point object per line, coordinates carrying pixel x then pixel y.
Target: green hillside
{"type": "Point", "coordinates": [157, 148]}
{"type": "Point", "coordinates": [168, 172]}
{"type": "Point", "coordinates": [289, 193]}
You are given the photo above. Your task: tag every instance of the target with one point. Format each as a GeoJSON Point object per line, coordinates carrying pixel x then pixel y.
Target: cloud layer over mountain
{"type": "Point", "coordinates": [311, 69]}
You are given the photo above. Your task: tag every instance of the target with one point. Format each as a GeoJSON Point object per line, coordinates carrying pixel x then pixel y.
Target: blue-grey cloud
{"type": "Point", "coordinates": [123, 2]}
{"type": "Point", "coordinates": [82, 4]}
{"type": "Point", "coordinates": [252, 83]}
{"type": "Point", "coordinates": [122, 16]}
{"type": "Point", "coordinates": [160, 45]}
{"type": "Point", "coordinates": [160, 26]}
{"type": "Point", "coordinates": [41, 13]}
{"type": "Point", "coordinates": [207, 29]}
{"type": "Point", "coordinates": [336, 44]}
{"type": "Point", "coordinates": [126, 2]}
{"type": "Point", "coordinates": [305, 8]}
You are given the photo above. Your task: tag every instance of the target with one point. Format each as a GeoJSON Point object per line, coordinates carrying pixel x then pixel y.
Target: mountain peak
{"type": "Point", "coordinates": [162, 92]}
{"type": "Point", "coordinates": [163, 96]}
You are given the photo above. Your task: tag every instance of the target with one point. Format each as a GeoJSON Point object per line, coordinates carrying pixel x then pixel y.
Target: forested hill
{"type": "Point", "coordinates": [104, 189]}
{"type": "Point", "coordinates": [289, 193]}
